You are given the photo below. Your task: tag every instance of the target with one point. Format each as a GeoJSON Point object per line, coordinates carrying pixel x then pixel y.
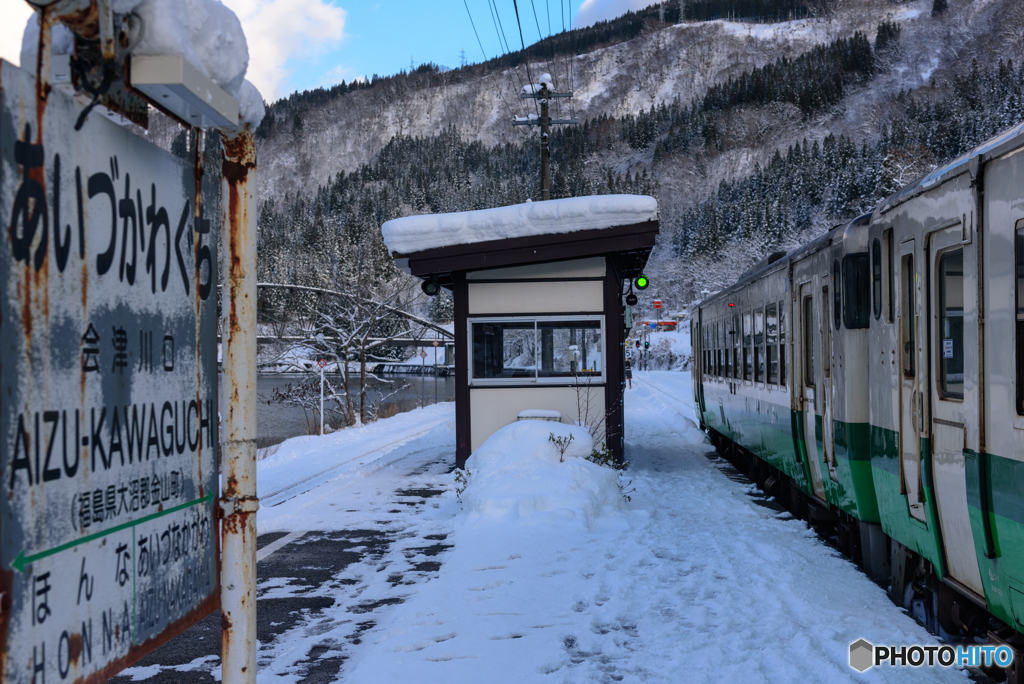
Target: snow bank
{"type": "Point", "coordinates": [205, 33]}
{"type": "Point", "coordinates": [417, 233]}
{"type": "Point", "coordinates": [516, 476]}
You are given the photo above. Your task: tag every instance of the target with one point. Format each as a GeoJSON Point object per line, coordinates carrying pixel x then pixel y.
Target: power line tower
{"type": "Point", "coordinates": [542, 93]}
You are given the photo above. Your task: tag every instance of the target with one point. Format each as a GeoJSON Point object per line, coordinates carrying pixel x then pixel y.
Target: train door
{"type": "Point", "coordinates": [911, 370]}
{"type": "Point", "coordinates": [699, 365]}
{"type": "Point", "coordinates": [808, 345]}
{"type": "Point", "coordinates": [953, 326]}
{"type": "Point", "coordinates": [825, 395]}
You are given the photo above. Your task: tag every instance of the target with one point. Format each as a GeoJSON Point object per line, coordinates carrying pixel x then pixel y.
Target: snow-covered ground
{"type": "Point", "coordinates": [371, 570]}
{"type": "Point", "coordinates": [692, 580]}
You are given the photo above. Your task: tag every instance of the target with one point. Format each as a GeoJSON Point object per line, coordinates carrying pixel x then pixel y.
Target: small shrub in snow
{"type": "Point", "coordinates": [561, 443]}
{"type": "Point", "coordinates": [461, 482]}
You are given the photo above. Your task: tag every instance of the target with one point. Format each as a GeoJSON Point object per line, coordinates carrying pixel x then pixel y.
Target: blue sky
{"type": "Point", "coordinates": [303, 44]}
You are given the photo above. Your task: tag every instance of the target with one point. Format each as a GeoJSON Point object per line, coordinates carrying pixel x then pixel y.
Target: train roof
{"type": "Point", "coordinates": [775, 262]}
{"type": "Point", "coordinates": [1007, 141]}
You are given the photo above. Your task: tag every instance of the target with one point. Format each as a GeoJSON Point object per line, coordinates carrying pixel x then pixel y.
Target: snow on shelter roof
{"type": "Point", "coordinates": [429, 231]}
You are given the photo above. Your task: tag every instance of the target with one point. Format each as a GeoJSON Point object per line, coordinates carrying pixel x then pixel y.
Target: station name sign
{"type": "Point", "coordinates": [108, 402]}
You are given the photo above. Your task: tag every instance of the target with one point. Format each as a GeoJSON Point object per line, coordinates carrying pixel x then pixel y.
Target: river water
{"type": "Point", "coordinates": [276, 422]}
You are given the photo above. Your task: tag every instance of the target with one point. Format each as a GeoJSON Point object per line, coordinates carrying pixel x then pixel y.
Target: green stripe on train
{"type": "Point", "coordinates": [1001, 555]}
{"type": "Point", "coordinates": [868, 481]}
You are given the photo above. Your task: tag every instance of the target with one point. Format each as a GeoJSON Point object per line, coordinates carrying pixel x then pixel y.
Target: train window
{"type": "Point", "coordinates": [808, 345]}
{"type": "Point", "coordinates": [771, 349]}
{"type": "Point", "coordinates": [727, 348]}
{"type": "Point", "coordinates": [758, 346]}
{"type": "Point", "coordinates": [856, 291]}
{"type": "Point", "coordinates": [1020, 317]}
{"type": "Point", "coordinates": [876, 277]}
{"type": "Point", "coordinates": [891, 283]}
{"type": "Point", "coordinates": [951, 324]}
{"type": "Point", "coordinates": [718, 348]}
{"type": "Point", "coordinates": [782, 343]}
{"type": "Point", "coordinates": [826, 335]}
{"type": "Point", "coordinates": [748, 361]}
{"type": "Point", "coordinates": [908, 312]}
{"type": "Point", "coordinates": [736, 339]}
{"type": "Point", "coordinates": [837, 300]}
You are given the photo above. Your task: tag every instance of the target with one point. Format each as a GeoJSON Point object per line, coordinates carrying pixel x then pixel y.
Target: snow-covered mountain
{"type": "Point", "coordinates": [676, 61]}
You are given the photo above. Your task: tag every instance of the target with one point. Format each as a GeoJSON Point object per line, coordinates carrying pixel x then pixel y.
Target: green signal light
{"type": "Point", "coordinates": [642, 282]}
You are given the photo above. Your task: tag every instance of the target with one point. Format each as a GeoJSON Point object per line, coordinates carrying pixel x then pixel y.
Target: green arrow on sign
{"type": "Point", "coordinates": [22, 560]}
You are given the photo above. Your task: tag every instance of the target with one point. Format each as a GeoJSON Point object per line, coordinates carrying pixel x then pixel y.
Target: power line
{"type": "Point", "coordinates": [484, 66]}
{"type": "Point", "coordinates": [497, 15]}
{"type": "Point", "coordinates": [540, 35]}
{"type": "Point", "coordinates": [525, 56]}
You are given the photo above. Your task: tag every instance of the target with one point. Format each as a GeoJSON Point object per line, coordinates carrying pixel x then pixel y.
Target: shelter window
{"type": "Point", "coordinates": [782, 343]}
{"type": "Point", "coordinates": [1020, 316]}
{"type": "Point", "coordinates": [546, 350]}
{"type": "Point", "coordinates": [856, 289]}
{"type": "Point", "coordinates": [951, 324]}
{"type": "Point", "coordinates": [772, 342]}
{"type": "Point", "coordinates": [759, 346]}
{"type": "Point", "coordinates": [876, 277]}
{"type": "Point", "coordinates": [748, 360]}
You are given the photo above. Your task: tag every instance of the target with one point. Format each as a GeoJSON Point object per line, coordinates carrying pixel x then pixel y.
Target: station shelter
{"type": "Point", "coordinates": [539, 316]}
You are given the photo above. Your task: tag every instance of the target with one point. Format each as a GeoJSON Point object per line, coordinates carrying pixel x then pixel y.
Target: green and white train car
{"type": "Point", "coordinates": [874, 380]}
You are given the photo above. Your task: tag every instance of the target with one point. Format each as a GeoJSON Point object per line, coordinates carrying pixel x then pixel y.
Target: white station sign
{"type": "Point", "coordinates": [108, 401]}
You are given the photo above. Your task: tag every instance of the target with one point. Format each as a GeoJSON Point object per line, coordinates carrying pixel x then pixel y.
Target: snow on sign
{"type": "Point", "coordinates": [423, 354]}
{"type": "Point", "coordinates": [108, 543]}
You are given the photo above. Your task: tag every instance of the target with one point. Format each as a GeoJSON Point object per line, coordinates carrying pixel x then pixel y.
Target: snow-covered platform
{"type": "Point", "coordinates": [698, 578]}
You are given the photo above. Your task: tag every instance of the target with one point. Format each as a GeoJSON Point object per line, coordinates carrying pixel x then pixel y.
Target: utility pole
{"type": "Point", "coordinates": [542, 92]}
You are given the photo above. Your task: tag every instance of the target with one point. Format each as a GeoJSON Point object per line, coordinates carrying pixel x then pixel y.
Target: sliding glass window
{"type": "Point", "coordinates": [543, 350]}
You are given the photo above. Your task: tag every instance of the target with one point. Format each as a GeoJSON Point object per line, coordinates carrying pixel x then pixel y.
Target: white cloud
{"type": "Point", "coordinates": [279, 30]}
{"type": "Point", "coordinates": [15, 14]}
{"type": "Point", "coordinates": [596, 10]}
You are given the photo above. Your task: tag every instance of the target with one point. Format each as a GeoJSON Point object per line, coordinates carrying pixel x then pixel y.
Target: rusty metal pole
{"type": "Point", "coordinates": [238, 465]}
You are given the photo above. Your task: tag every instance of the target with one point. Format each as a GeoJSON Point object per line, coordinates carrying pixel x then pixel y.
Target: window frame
{"type": "Point", "coordinates": [594, 380]}
{"type": "Point", "coordinates": [807, 341]}
{"type": "Point", "coordinates": [1018, 317]}
{"type": "Point", "coordinates": [941, 385]}
{"type": "Point", "coordinates": [837, 294]}
{"type": "Point", "coordinates": [760, 368]}
{"type": "Point", "coordinates": [876, 277]}
{"type": "Point", "coordinates": [782, 345]}
{"type": "Point", "coordinates": [851, 265]}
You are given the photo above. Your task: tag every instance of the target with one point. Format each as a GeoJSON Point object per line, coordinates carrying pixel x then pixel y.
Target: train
{"type": "Point", "coordinates": [873, 381]}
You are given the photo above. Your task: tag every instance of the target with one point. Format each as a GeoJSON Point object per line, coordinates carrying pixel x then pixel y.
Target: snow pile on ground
{"type": "Point", "coordinates": [428, 231]}
{"type": "Point", "coordinates": [205, 33]}
{"type": "Point", "coordinates": [519, 474]}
